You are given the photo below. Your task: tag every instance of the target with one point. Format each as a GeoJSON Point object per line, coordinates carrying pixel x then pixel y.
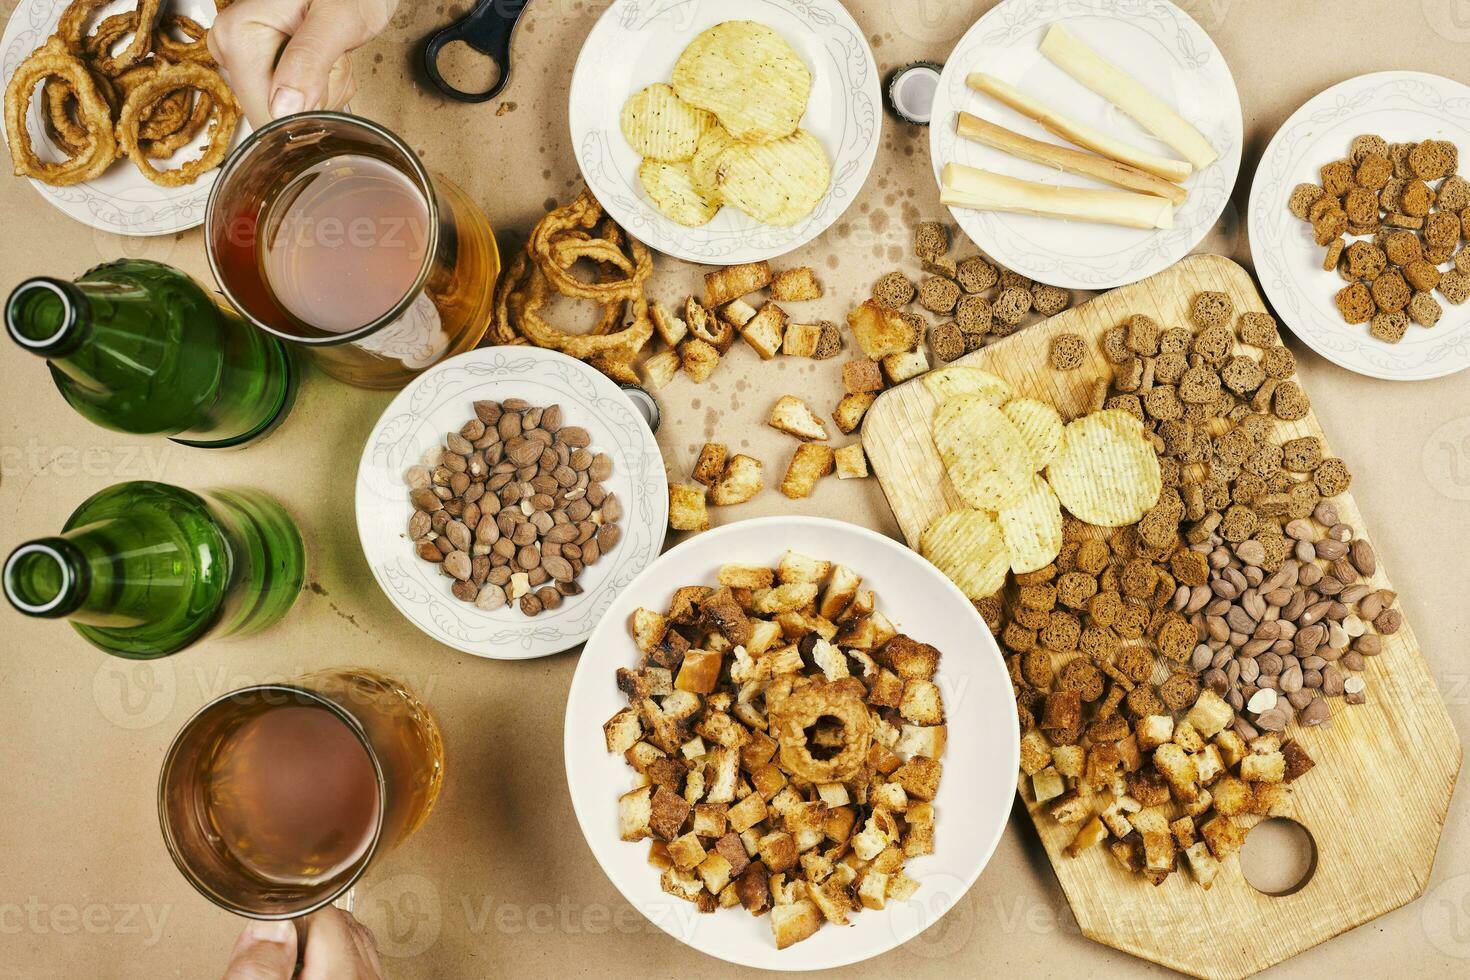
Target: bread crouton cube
{"type": "Point", "coordinates": [839, 822]}
{"type": "Point", "coordinates": [889, 860]}
{"type": "Point", "coordinates": [635, 810]}
{"type": "Point", "coordinates": [833, 794]}
{"type": "Point", "coordinates": [1269, 768]}
{"type": "Point", "coordinates": [1153, 731]}
{"type": "Point", "coordinates": [1208, 765]}
{"type": "Point", "coordinates": [686, 851]}
{"type": "Point", "coordinates": [753, 887]}
{"type": "Point", "coordinates": [735, 281]}
{"type": "Point", "coordinates": [724, 773]}
{"type": "Point", "coordinates": [881, 331]}
{"type": "Point", "coordinates": [622, 731]}
{"type": "Point", "coordinates": [643, 754]}
{"type": "Point", "coordinates": [1063, 711]}
{"type": "Point", "coordinates": [1071, 807]}
{"type": "Point", "coordinates": [790, 924]}
{"type": "Point", "coordinates": [1115, 818]}
{"type": "Point", "coordinates": [1129, 854]}
{"type": "Point", "coordinates": [658, 855]}
{"type": "Point", "coordinates": [768, 780]}
{"type": "Point", "coordinates": [1103, 763]}
{"type": "Point", "coordinates": [745, 576]}
{"type": "Point", "coordinates": [1183, 831]}
{"type": "Point", "coordinates": [792, 416]}
{"type": "Point", "coordinates": [1200, 806]}
{"type": "Point", "coordinates": [1202, 865]}
{"type": "Point", "coordinates": [1272, 799]}
{"type": "Point", "coordinates": [796, 285]}
{"type": "Point", "coordinates": [1265, 744]}
{"type": "Point", "coordinates": [1211, 714]}
{"type": "Point", "coordinates": [729, 897]}
{"type": "Point", "coordinates": [699, 359]}
{"type": "Point", "coordinates": [668, 811]}
{"type": "Point", "coordinates": [901, 887]}
{"type": "Point", "coordinates": [1224, 836]}
{"type": "Point", "coordinates": [890, 796]}
{"type": "Point", "coordinates": [830, 900]}
{"type": "Point", "coordinates": [720, 612]}
{"type": "Point", "coordinates": [1148, 787]}
{"type": "Point", "coordinates": [927, 740]}
{"type": "Point", "coordinates": [787, 597]}
{"type": "Point", "coordinates": [732, 850]}
{"type": "Point", "coordinates": [1047, 785]}
{"type": "Point", "coordinates": [908, 658]}
{"type": "Point", "coordinates": [747, 813]}
{"type": "Point", "coordinates": [1298, 762]}
{"type": "Point", "coordinates": [1129, 756]}
{"type": "Point", "coordinates": [710, 821]}
{"type": "Point", "coordinates": [687, 511]}
{"type": "Point", "coordinates": [840, 591]}
{"type": "Point", "coordinates": [873, 891]}
{"type": "Point", "coordinates": [1069, 760]}
{"type": "Point", "coordinates": [737, 313]}
{"type": "Point", "coordinates": [900, 367]}
{"type": "Point", "coordinates": [757, 751]}
{"type": "Point", "coordinates": [710, 464]}
{"type": "Point", "coordinates": [1232, 748]}
{"type": "Point", "coordinates": [919, 777]}
{"type": "Point", "coordinates": [1233, 796]}
{"type": "Point", "coordinates": [1158, 852]}
{"type": "Point", "coordinates": [765, 331]}
{"type": "Point", "coordinates": [671, 329]}
{"type": "Point", "coordinates": [1036, 751]}
{"type": "Point", "coordinates": [801, 339]}
{"type": "Point", "coordinates": [700, 672]}
{"type": "Point", "coordinates": [1149, 820]}
{"type": "Point", "coordinates": [741, 481]}
{"type": "Point", "coordinates": [811, 462]}
{"type": "Point", "coordinates": [794, 567]}
{"type": "Point", "coordinates": [1091, 834]}
{"type": "Point", "coordinates": [661, 368]}
{"type": "Point", "coordinates": [778, 851]}
{"type": "Point", "coordinates": [922, 703]}
{"type": "Point", "coordinates": [850, 411]}
{"type": "Point", "coordinates": [862, 376]}
{"type": "Point", "coordinates": [714, 871]}
{"type": "Point", "coordinates": [682, 884]}
{"type": "Point", "coordinates": [883, 759]}
{"type": "Point", "coordinates": [648, 629]}
{"type": "Point", "coordinates": [764, 634]}
{"type": "Point", "coordinates": [1187, 737]}
{"type": "Point", "coordinates": [1177, 766]}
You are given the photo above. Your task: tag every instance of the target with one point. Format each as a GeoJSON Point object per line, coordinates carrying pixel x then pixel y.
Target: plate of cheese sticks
{"type": "Point", "coordinates": [1084, 145]}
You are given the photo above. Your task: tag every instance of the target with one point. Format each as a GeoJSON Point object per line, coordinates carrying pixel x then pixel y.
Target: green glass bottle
{"type": "Point", "coordinates": [145, 569]}
{"type": "Point", "coordinates": [140, 347]}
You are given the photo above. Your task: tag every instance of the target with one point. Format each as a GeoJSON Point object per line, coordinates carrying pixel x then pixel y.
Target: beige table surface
{"type": "Point", "coordinates": [500, 881]}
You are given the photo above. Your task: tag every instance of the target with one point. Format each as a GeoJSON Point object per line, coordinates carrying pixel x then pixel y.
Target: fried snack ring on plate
{"type": "Point", "coordinates": [140, 21]}
{"type": "Point", "coordinates": [802, 709]}
{"type": "Point", "coordinates": [65, 130]}
{"type": "Point", "coordinates": [195, 48]}
{"type": "Point", "coordinates": [54, 60]}
{"type": "Point", "coordinates": [525, 306]}
{"type": "Point", "coordinates": [224, 115]}
{"type": "Point", "coordinates": [585, 213]}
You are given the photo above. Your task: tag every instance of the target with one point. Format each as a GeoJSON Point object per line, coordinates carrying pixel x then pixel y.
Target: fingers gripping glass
{"type": "Point", "coordinates": [487, 29]}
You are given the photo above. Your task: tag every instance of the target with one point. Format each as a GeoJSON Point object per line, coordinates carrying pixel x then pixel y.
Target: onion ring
{"type": "Point", "coordinates": [585, 212]}
{"type": "Point", "coordinates": [72, 27]}
{"type": "Point", "coordinates": [54, 59]}
{"type": "Point", "coordinates": [168, 115]}
{"type": "Point", "coordinates": [61, 125]}
{"type": "Point", "coordinates": [195, 48]}
{"type": "Point", "coordinates": [224, 118]}
{"type": "Point", "coordinates": [802, 709]}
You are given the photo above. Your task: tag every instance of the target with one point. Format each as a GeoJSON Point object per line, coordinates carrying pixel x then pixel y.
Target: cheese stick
{"type": "Point", "coordinates": [966, 187]}
{"type": "Point", "coordinates": [1123, 91]}
{"type": "Point", "coordinates": [1078, 132]}
{"type": "Point", "coordinates": [1064, 158]}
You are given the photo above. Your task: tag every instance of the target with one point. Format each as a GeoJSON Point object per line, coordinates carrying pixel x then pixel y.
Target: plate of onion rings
{"type": "Point", "coordinates": [115, 110]}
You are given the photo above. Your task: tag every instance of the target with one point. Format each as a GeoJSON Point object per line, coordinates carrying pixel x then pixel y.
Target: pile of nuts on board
{"type": "Point", "coordinates": [1244, 581]}
{"type": "Point", "coordinates": [514, 507]}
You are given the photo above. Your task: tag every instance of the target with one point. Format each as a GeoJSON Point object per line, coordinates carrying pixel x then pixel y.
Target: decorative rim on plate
{"type": "Point", "coordinates": [610, 166]}
{"type": "Point", "coordinates": [1288, 263]}
{"type": "Point", "coordinates": [1012, 239]}
{"type": "Point", "coordinates": [975, 798]}
{"type": "Point", "coordinates": [415, 423]}
{"type": "Point", "coordinates": [121, 201]}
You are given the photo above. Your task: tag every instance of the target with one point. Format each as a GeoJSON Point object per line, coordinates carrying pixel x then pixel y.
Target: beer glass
{"type": "Point", "coordinates": [275, 799]}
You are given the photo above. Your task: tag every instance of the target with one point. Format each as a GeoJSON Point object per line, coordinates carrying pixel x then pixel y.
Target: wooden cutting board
{"type": "Point", "coordinates": [1376, 802]}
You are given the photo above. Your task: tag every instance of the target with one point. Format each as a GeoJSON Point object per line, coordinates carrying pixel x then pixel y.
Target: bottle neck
{"type": "Point", "coordinates": [48, 578]}
{"type": "Point", "coordinates": [49, 317]}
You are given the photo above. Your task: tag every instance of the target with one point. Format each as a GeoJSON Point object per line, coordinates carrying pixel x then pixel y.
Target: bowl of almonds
{"type": "Point", "coordinates": [504, 499]}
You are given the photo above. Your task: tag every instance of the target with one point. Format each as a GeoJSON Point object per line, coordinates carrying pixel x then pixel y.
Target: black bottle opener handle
{"type": "Point", "coordinates": [488, 29]}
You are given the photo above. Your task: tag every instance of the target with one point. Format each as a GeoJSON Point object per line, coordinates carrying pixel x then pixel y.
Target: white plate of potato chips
{"type": "Point", "coordinates": [724, 132]}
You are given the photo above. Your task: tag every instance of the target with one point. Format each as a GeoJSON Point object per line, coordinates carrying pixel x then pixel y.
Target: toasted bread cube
{"type": "Point", "coordinates": [735, 281]}
{"type": "Point", "coordinates": [852, 462]}
{"type": "Point", "coordinates": [1036, 752]}
{"type": "Point", "coordinates": [1183, 831]}
{"type": "Point", "coordinates": [687, 511]}
{"type": "Point", "coordinates": [833, 794]}
{"type": "Point", "coordinates": [1224, 836]}
{"type": "Point", "coordinates": [658, 855]}
{"type": "Point", "coordinates": [1263, 768]}
{"type": "Point", "coordinates": [747, 813]}
{"type": "Point", "coordinates": [622, 731]}
{"type": "Point", "coordinates": [1200, 806]}
{"type": "Point", "coordinates": [1188, 738]}
{"type": "Point", "coordinates": [694, 785]}
{"type": "Point", "coordinates": [840, 590]}
{"type": "Point", "coordinates": [785, 660]}
{"type": "Point", "coordinates": [1272, 799]}
{"type": "Point", "coordinates": [732, 850]}
{"type": "Point", "coordinates": [671, 329]}
{"type": "Point", "coordinates": [1069, 760]}
{"type": "Point", "coordinates": [1129, 757]}
{"type": "Point", "coordinates": [700, 672]}
{"type": "Point", "coordinates": [1208, 765]}
{"type": "Point", "coordinates": [710, 820]}
{"type": "Point", "coordinates": [1158, 852]}
{"type": "Point", "coordinates": [1232, 748]}
{"type": "Point", "coordinates": [796, 285]}
{"type": "Point", "coordinates": [738, 313]}
{"type": "Point", "coordinates": [1265, 744]}
{"type": "Point", "coordinates": [1062, 711]}
{"type": "Point", "coordinates": [839, 822]}
{"type": "Point", "coordinates": [790, 924]}
{"type": "Point", "coordinates": [831, 661]}
{"type": "Point", "coordinates": [862, 376]}
{"type": "Point", "coordinates": [1210, 714]}
{"type": "Point", "coordinates": [729, 897]}
{"type": "Point", "coordinates": [682, 884]}
{"type": "Point", "coordinates": [792, 416]}
{"type": "Point", "coordinates": [668, 812]}
{"type": "Point", "coordinates": [686, 852]}
{"type": "Point", "coordinates": [1153, 731]}
{"type": "Point", "coordinates": [873, 891]}
{"type": "Point", "coordinates": [1047, 785]}
{"type": "Point", "coordinates": [900, 367]}
{"type": "Point", "coordinates": [741, 481]}
{"type": "Point", "coordinates": [1071, 807]}
{"type": "Point", "coordinates": [801, 339]}
{"type": "Point", "coordinates": [765, 330]}
{"type": "Point", "coordinates": [890, 796]}
{"type": "Point", "coordinates": [886, 690]}
{"type": "Point", "coordinates": [768, 780]}
{"type": "Point", "coordinates": [811, 462]}
{"type": "Point", "coordinates": [1103, 763]}
{"type": "Point", "coordinates": [714, 871]}
{"type": "Point", "coordinates": [724, 768]}
{"type": "Point", "coordinates": [746, 577]}
{"type": "Point", "coordinates": [919, 777]}
{"type": "Point", "coordinates": [908, 658]}
{"type": "Point", "coordinates": [901, 887]}
{"type": "Point", "coordinates": [1202, 865]}
{"type": "Point", "coordinates": [694, 748]}
{"type": "Point", "coordinates": [648, 629]}
{"type": "Point", "coordinates": [922, 703]}
{"type": "Point", "coordinates": [787, 597]}
{"type": "Point", "coordinates": [1233, 796]}
{"type": "Point", "coordinates": [833, 903]}
{"type": "Point", "coordinates": [1115, 817]}
{"type": "Point", "coordinates": [778, 851]}
{"type": "Point", "coordinates": [757, 751]}
{"type": "Point", "coordinates": [1092, 833]}
{"type": "Point", "coordinates": [710, 465]}
{"type": "Point", "coordinates": [643, 754]}
{"type": "Point", "coordinates": [850, 411]}
{"type": "Point", "coordinates": [1177, 766]}
{"type": "Point", "coordinates": [699, 359]}
{"type": "Point", "coordinates": [1129, 853]}
{"type": "Point", "coordinates": [661, 368]}
{"type": "Point", "coordinates": [880, 331]}
{"type": "Point", "coordinates": [1298, 762]}
{"type": "Point", "coordinates": [635, 809]}
{"type": "Point", "coordinates": [927, 740]}
{"type": "Point", "coordinates": [764, 634]}
{"type": "Point", "coordinates": [1148, 787]}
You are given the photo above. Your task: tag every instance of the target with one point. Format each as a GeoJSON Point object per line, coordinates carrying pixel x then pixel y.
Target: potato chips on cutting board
{"type": "Point", "coordinates": [1378, 801]}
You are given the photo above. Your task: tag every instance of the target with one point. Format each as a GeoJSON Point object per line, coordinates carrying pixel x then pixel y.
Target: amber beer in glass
{"type": "Point", "coordinates": [275, 799]}
{"type": "Point", "coordinates": [326, 230]}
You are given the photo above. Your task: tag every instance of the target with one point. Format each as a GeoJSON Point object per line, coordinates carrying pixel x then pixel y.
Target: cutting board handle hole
{"type": "Point", "coordinates": [1279, 857]}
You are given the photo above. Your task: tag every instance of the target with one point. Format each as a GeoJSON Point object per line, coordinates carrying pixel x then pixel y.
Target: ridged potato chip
{"type": "Point", "coordinates": [661, 126]}
{"type": "Point", "coordinates": [705, 165]}
{"type": "Point", "coordinates": [671, 185]}
{"type": "Point", "coordinates": [748, 76]}
{"type": "Point", "coordinates": [986, 458]}
{"type": "Point", "coordinates": [776, 183]}
{"type": "Point", "coordinates": [968, 547]}
{"type": "Point", "coordinates": [1105, 471]}
{"type": "Point", "coordinates": [1032, 527]}
{"type": "Point", "coordinates": [947, 383]}
{"type": "Point", "coordinates": [1040, 426]}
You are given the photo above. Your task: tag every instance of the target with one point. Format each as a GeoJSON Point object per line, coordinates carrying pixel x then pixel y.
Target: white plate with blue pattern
{"type": "Point", "coordinates": [441, 400]}
{"type": "Point", "coordinates": [1402, 107]}
{"type": "Point", "coordinates": [636, 42]}
{"type": "Point", "coordinates": [1158, 44]}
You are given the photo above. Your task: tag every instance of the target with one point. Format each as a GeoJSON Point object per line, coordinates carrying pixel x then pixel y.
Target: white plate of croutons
{"type": "Point", "coordinates": [791, 743]}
